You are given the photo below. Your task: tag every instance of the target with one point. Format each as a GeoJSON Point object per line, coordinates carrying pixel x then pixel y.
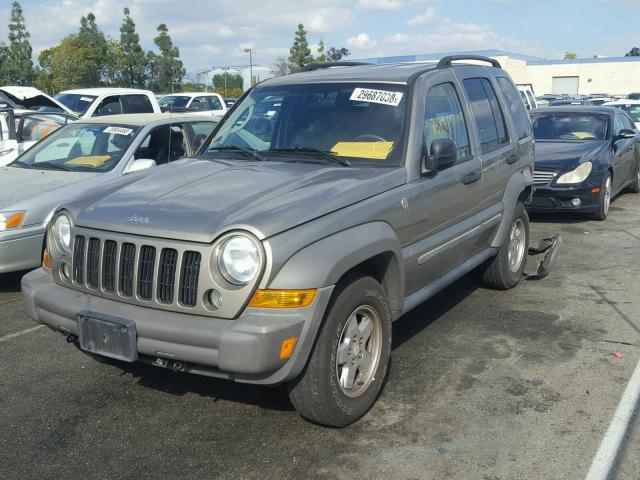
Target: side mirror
{"type": "Point", "coordinates": [625, 133]}
{"type": "Point", "coordinates": [141, 164]}
{"type": "Point", "coordinates": [443, 155]}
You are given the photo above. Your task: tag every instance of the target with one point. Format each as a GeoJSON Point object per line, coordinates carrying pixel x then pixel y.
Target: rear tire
{"type": "Point", "coordinates": [604, 200]}
{"type": "Point", "coordinates": [349, 362]}
{"type": "Point", "coordinates": [505, 270]}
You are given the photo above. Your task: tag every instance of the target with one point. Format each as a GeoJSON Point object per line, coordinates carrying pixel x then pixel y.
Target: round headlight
{"type": "Point", "coordinates": [239, 260]}
{"type": "Point", "coordinates": [61, 233]}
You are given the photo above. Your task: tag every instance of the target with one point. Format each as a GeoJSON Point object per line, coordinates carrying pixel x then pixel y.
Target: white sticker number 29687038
{"type": "Point", "coordinates": [377, 96]}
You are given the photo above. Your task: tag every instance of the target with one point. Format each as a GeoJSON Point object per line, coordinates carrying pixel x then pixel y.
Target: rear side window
{"type": "Point", "coordinates": [215, 103]}
{"type": "Point", "coordinates": [444, 119]}
{"type": "Point", "coordinates": [199, 104]}
{"type": "Point", "coordinates": [516, 107]}
{"type": "Point", "coordinates": [486, 111]}
{"type": "Point", "coordinates": [136, 104]}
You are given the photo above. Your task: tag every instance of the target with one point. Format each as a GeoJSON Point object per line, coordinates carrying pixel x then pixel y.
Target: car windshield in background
{"type": "Point", "coordinates": [569, 126]}
{"type": "Point", "coordinates": [80, 148]}
{"type": "Point", "coordinates": [76, 102]}
{"type": "Point", "coordinates": [177, 101]}
{"type": "Point", "coordinates": [360, 122]}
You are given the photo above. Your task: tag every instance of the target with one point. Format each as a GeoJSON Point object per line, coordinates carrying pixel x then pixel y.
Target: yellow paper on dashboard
{"type": "Point", "coordinates": [90, 160]}
{"type": "Point", "coordinates": [375, 150]}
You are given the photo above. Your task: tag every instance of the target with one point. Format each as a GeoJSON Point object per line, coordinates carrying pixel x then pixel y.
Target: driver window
{"type": "Point", "coordinates": [444, 119]}
{"type": "Point", "coordinates": [109, 106]}
{"type": "Point", "coordinates": [617, 124]}
{"type": "Point", "coordinates": [164, 144]}
{"type": "Point", "coordinates": [199, 104]}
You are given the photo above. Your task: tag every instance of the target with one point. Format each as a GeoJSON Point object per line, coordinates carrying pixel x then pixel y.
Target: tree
{"type": "Point", "coordinates": [115, 68]}
{"type": "Point", "coordinates": [570, 55]}
{"type": "Point", "coordinates": [166, 69]}
{"type": "Point", "coordinates": [136, 60]}
{"type": "Point", "coordinates": [282, 66]}
{"type": "Point", "coordinates": [234, 80]}
{"type": "Point", "coordinates": [299, 53]}
{"type": "Point", "coordinates": [634, 52]}
{"type": "Point", "coordinates": [322, 56]}
{"type": "Point", "coordinates": [93, 38]}
{"type": "Point", "coordinates": [335, 54]}
{"type": "Point", "coordinates": [18, 65]}
{"type": "Point", "coordinates": [43, 75]}
{"type": "Point", "coordinates": [73, 64]}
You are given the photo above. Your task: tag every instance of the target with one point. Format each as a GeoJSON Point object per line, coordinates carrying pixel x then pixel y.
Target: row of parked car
{"type": "Point", "coordinates": [322, 207]}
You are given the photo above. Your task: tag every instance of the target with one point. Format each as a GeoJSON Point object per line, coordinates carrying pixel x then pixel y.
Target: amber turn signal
{"type": "Point", "coordinates": [283, 298]}
{"type": "Point", "coordinates": [46, 260]}
{"type": "Point", "coordinates": [286, 350]}
{"type": "Point", "coordinates": [595, 190]}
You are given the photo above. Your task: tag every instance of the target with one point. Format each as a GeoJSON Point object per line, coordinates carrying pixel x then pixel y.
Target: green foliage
{"type": "Point", "coordinates": [233, 80]}
{"type": "Point", "coordinates": [92, 38]}
{"type": "Point", "coordinates": [73, 64]}
{"type": "Point", "coordinates": [322, 56]}
{"type": "Point", "coordinates": [570, 55]}
{"type": "Point", "coordinates": [133, 74]}
{"type": "Point", "coordinates": [299, 53]}
{"type": "Point", "coordinates": [634, 52]}
{"type": "Point", "coordinates": [116, 64]}
{"type": "Point", "coordinates": [17, 66]}
{"type": "Point", "coordinates": [165, 71]}
{"type": "Point", "coordinates": [230, 93]}
{"type": "Point", "coordinates": [337, 54]}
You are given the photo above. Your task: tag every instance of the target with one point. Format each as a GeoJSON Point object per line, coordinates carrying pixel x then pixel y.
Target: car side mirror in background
{"type": "Point", "coordinates": [443, 155]}
{"type": "Point", "coordinates": [141, 164]}
{"type": "Point", "coordinates": [625, 133]}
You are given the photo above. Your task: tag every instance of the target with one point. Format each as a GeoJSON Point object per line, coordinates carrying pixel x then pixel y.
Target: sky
{"type": "Point", "coordinates": [214, 33]}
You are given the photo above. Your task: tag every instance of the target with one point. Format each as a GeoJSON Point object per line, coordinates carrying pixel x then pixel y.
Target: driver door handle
{"type": "Point", "coordinates": [471, 177]}
{"type": "Point", "coordinates": [511, 159]}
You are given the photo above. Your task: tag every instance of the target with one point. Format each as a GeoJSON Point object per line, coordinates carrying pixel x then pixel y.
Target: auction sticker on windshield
{"type": "Point", "coordinates": [118, 130]}
{"type": "Point", "coordinates": [383, 97]}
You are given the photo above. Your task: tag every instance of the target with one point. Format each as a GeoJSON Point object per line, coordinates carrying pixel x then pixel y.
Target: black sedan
{"type": "Point", "coordinates": [585, 156]}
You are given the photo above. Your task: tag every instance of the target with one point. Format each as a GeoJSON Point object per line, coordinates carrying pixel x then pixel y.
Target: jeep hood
{"type": "Point", "coordinates": [558, 155]}
{"type": "Point", "coordinates": [197, 200]}
{"type": "Point", "coordinates": [30, 98]}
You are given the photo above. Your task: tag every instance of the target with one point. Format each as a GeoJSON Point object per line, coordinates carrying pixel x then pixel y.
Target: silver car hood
{"type": "Point", "coordinates": [39, 191]}
{"type": "Point", "coordinates": [197, 200]}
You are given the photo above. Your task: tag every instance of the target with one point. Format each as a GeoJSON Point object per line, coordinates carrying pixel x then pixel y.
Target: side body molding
{"type": "Point", "coordinates": [324, 262]}
{"type": "Point", "coordinates": [517, 184]}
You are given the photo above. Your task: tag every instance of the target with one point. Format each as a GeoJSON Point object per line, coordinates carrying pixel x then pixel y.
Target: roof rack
{"type": "Point", "coordinates": [446, 62]}
{"type": "Point", "coordinates": [317, 66]}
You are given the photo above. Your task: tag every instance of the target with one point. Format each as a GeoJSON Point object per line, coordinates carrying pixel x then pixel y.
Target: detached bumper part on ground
{"type": "Point", "coordinates": [246, 349]}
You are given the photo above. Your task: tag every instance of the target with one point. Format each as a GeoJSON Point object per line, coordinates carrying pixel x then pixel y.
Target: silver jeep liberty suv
{"type": "Point", "coordinates": [323, 207]}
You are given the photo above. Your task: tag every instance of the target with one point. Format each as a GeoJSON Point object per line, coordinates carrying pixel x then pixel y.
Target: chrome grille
{"type": "Point", "coordinates": [542, 177]}
{"type": "Point", "coordinates": [137, 271]}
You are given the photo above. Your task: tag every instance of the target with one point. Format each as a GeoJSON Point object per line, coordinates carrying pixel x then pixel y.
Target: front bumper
{"type": "Point", "coordinates": [245, 349]}
{"type": "Point", "coordinates": [21, 249]}
{"type": "Point", "coordinates": [557, 198]}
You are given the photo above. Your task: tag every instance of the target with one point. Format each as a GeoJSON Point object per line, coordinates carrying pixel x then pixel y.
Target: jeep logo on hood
{"type": "Point", "coordinates": [138, 219]}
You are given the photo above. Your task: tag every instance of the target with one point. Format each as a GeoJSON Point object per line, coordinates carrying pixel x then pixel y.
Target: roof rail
{"type": "Point", "coordinates": [317, 66]}
{"type": "Point", "coordinates": [445, 62]}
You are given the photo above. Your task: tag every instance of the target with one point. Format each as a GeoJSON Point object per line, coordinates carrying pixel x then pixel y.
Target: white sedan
{"type": "Point", "coordinates": [632, 107]}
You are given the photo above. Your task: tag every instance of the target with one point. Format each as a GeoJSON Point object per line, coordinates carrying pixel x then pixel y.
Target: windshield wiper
{"type": "Point", "coordinates": [52, 166]}
{"type": "Point", "coordinates": [19, 163]}
{"type": "Point", "coordinates": [330, 156]}
{"type": "Point", "coordinates": [231, 148]}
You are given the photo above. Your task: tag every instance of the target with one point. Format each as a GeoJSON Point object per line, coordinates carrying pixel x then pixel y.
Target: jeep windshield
{"type": "Point", "coordinates": [363, 123]}
{"type": "Point", "coordinates": [80, 148]}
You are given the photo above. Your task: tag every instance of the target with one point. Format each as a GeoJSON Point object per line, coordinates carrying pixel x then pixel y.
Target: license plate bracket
{"type": "Point", "coordinates": [108, 336]}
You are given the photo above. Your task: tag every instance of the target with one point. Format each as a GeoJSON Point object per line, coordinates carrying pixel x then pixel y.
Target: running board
{"type": "Point", "coordinates": [422, 295]}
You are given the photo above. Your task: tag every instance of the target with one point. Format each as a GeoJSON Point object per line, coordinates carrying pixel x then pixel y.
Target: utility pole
{"type": "Point", "coordinates": [248, 50]}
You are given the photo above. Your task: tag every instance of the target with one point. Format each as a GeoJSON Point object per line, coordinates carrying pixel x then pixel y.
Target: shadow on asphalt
{"type": "Point", "coordinates": [276, 398]}
{"type": "Point", "coordinates": [10, 282]}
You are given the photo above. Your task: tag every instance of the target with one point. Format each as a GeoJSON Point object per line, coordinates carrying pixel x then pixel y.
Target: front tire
{"type": "Point", "coordinates": [349, 362]}
{"type": "Point", "coordinates": [604, 199]}
{"type": "Point", "coordinates": [505, 270]}
{"type": "Point", "coordinates": [635, 186]}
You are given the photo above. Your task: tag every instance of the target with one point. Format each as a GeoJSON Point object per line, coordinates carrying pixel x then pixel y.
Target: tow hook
{"type": "Point", "coordinates": [540, 259]}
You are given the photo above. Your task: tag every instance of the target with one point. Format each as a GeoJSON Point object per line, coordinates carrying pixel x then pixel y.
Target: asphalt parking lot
{"type": "Point", "coordinates": [484, 385]}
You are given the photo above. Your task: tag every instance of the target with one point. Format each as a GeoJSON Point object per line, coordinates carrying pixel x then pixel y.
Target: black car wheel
{"type": "Point", "coordinates": [635, 185]}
